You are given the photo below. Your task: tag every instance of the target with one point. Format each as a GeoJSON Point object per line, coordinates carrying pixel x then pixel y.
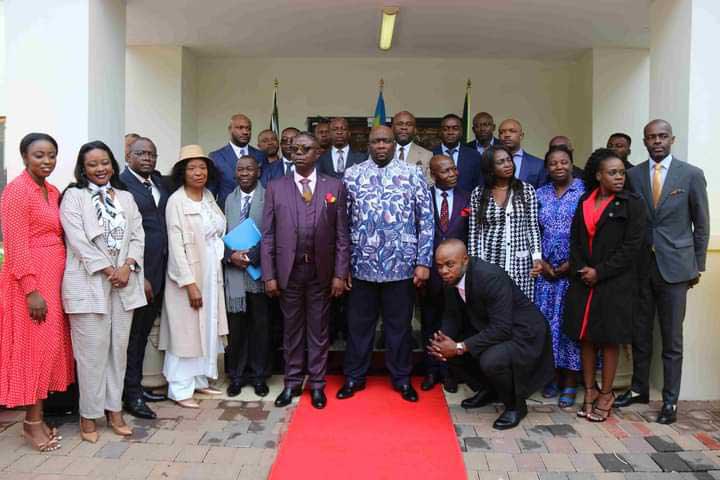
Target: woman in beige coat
{"type": "Point", "coordinates": [102, 284]}
{"type": "Point", "coordinates": [194, 320]}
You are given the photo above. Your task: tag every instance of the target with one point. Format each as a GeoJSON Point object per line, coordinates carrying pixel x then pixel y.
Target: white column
{"type": "Point", "coordinates": [161, 96]}
{"type": "Point", "coordinates": [683, 90]}
{"type": "Point", "coordinates": [65, 76]}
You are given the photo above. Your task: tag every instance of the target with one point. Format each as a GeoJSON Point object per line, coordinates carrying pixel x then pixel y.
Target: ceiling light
{"type": "Point", "coordinates": [387, 27]}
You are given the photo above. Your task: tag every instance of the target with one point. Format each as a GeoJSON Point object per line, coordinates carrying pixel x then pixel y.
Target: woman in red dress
{"type": "Point", "coordinates": [35, 349]}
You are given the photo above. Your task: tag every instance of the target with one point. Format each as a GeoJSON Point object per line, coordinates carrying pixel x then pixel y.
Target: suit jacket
{"type": "Point", "coordinates": [270, 171]}
{"type": "Point", "coordinates": [257, 205]}
{"type": "Point", "coordinates": [183, 330]}
{"type": "Point", "coordinates": [474, 143]}
{"type": "Point", "coordinates": [225, 160]}
{"type": "Point", "coordinates": [420, 157]}
{"type": "Point", "coordinates": [614, 255]}
{"type": "Point", "coordinates": [279, 230]}
{"type": "Point", "coordinates": [326, 166]}
{"type": "Point", "coordinates": [679, 228]}
{"type": "Point", "coordinates": [457, 228]}
{"type": "Point", "coordinates": [532, 170]}
{"type": "Point", "coordinates": [87, 256]}
{"type": "Point", "coordinates": [153, 222]}
{"type": "Point", "coordinates": [496, 311]}
{"type": "Point", "coordinates": [468, 166]}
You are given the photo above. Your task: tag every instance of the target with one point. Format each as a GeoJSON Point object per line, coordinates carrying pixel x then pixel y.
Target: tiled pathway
{"type": "Point", "coordinates": [237, 439]}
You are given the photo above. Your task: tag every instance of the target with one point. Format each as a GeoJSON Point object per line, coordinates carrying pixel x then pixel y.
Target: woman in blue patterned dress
{"type": "Point", "coordinates": [557, 203]}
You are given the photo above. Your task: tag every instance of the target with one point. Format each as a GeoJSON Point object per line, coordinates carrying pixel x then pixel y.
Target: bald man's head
{"type": "Point", "coordinates": [658, 138]}
{"type": "Point", "coordinates": [560, 140]}
{"type": "Point", "coordinates": [403, 126]}
{"type": "Point", "coordinates": [444, 172]}
{"type": "Point", "coordinates": [511, 134]}
{"type": "Point", "coordinates": [240, 129]}
{"type": "Point", "coordinates": [381, 145]}
{"type": "Point", "coordinates": [451, 260]}
{"type": "Point", "coordinates": [483, 126]}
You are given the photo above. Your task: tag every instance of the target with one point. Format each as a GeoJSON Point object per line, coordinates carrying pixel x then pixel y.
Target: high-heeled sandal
{"type": "Point", "coordinates": [122, 430]}
{"type": "Point", "coordinates": [604, 413]}
{"type": "Point", "coordinates": [584, 411]}
{"type": "Point", "coordinates": [91, 437]}
{"type": "Point", "coordinates": [50, 446]}
{"type": "Point", "coordinates": [51, 432]}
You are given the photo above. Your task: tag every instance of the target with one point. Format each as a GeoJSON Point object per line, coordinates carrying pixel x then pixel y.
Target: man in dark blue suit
{"type": "Point", "coordinates": [225, 158]}
{"type": "Point", "coordinates": [528, 168]}
{"type": "Point", "coordinates": [467, 160]}
{"type": "Point", "coordinates": [483, 126]}
{"type": "Point", "coordinates": [150, 194]}
{"type": "Point", "coordinates": [451, 207]}
{"type": "Point", "coordinates": [339, 157]}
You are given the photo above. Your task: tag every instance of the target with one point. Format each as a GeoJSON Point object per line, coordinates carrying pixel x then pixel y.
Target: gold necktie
{"type": "Point", "coordinates": [657, 185]}
{"type": "Point", "coordinates": [306, 192]}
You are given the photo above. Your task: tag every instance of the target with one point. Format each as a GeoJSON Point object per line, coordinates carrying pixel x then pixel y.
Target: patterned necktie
{"type": "Point", "coordinates": [657, 185]}
{"type": "Point", "coordinates": [148, 185]}
{"type": "Point", "coordinates": [444, 213]}
{"type": "Point", "coordinates": [451, 153]}
{"type": "Point", "coordinates": [402, 153]}
{"type": "Point", "coordinates": [306, 192]}
{"type": "Point", "coordinates": [245, 208]}
{"type": "Point", "coordinates": [340, 162]}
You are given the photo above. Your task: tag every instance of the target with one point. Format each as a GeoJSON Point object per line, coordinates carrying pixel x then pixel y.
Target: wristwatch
{"type": "Point", "coordinates": [134, 267]}
{"type": "Point", "coordinates": [460, 348]}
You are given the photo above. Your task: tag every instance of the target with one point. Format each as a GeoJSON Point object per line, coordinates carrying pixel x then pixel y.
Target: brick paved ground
{"type": "Point", "coordinates": [237, 439]}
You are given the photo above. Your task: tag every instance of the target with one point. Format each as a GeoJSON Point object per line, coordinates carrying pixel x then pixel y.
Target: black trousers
{"type": "Point", "coordinates": [338, 318]}
{"type": "Point", "coordinates": [669, 301]}
{"type": "Point", "coordinates": [431, 309]}
{"type": "Point", "coordinates": [142, 323]}
{"type": "Point", "coordinates": [394, 301]}
{"type": "Point", "coordinates": [492, 369]}
{"type": "Point", "coordinates": [247, 355]}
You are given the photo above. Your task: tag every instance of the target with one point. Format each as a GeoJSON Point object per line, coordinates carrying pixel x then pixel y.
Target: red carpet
{"type": "Point", "coordinates": [374, 435]}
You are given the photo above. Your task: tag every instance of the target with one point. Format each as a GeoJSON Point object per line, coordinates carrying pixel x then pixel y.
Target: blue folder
{"type": "Point", "coordinates": [244, 237]}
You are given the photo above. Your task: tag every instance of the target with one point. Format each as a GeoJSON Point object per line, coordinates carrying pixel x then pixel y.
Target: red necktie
{"type": "Point", "coordinates": [444, 213]}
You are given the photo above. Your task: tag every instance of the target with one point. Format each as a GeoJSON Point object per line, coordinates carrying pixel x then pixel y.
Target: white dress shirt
{"type": "Point", "coordinates": [334, 151]}
{"type": "Point", "coordinates": [240, 151]}
{"type": "Point", "coordinates": [482, 149]}
{"type": "Point", "coordinates": [154, 189]}
{"type": "Point", "coordinates": [285, 163]}
{"type": "Point", "coordinates": [244, 195]}
{"type": "Point", "coordinates": [312, 177]}
{"type": "Point", "coordinates": [664, 167]}
{"type": "Point", "coordinates": [454, 156]}
{"type": "Point", "coordinates": [406, 151]}
{"type": "Point", "coordinates": [461, 288]}
{"type": "Point", "coordinates": [439, 199]}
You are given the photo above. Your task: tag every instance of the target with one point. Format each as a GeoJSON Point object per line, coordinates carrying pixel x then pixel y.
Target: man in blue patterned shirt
{"type": "Point", "coordinates": [391, 234]}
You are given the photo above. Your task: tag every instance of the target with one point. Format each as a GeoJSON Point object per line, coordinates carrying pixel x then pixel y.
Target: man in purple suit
{"type": "Point", "coordinates": [451, 212]}
{"type": "Point", "coordinates": [305, 260]}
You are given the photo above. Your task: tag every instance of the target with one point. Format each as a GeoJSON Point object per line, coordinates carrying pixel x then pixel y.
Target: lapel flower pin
{"type": "Point", "coordinates": [330, 198]}
{"type": "Point", "coordinates": [465, 212]}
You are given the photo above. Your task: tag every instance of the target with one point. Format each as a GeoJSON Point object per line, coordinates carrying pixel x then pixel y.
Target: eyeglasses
{"type": "Point", "coordinates": [144, 153]}
{"type": "Point", "coordinates": [301, 149]}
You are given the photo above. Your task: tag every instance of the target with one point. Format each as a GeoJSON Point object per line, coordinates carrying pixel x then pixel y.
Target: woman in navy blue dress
{"type": "Point", "coordinates": [557, 203]}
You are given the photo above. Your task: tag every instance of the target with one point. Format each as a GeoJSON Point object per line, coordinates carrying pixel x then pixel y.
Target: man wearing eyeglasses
{"type": "Point", "coordinates": [305, 258]}
{"type": "Point", "coordinates": [150, 194]}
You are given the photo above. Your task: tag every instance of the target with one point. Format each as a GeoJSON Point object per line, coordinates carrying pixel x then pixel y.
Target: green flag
{"type": "Point", "coordinates": [467, 123]}
{"type": "Point", "coordinates": [274, 118]}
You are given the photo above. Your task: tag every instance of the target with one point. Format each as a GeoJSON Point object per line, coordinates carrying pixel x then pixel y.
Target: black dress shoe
{"type": "Point", "coordinates": [138, 408]}
{"type": "Point", "coordinates": [319, 400]}
{"type": "Point", "coordinates": [407, 392]}
{"type": "Point", "coordinates": [429, 382]}
{"type": "Point", "coordinates": [286, 396]}
{"type": "Point", "coordinates": [630, 397]}
{"type": "Point", "coordinates": [150, 396]}
{"type": "Point", "coordinates": [349, 389]}
{"type": "Point", "coordinates": [450, 385]}
{"type": "Point", "coordinates": [510, 418]}
{"type": "Point", "coordinates": [668, 414]}
{"type": "Point", "coordinates": [234, 388]}
{"type": "Point", "coordinates": [261, 389]}
{"type": "Point", "coordinates": [480, 399]}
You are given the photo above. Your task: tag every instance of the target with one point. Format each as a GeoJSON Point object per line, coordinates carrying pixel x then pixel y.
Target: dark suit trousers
{"type": "Point", "coordinates": [247, 356]}
{"type": "Point", "coordinates": [493, 368]}
{"type": "Point", "coordinates": [669, 301]}
{"type": "Point", "coordinates": [431, 309]}
{"type": "Point", "coordinates": [142, 323]}
{"type": "Point", "coordinates": [305, 305]}
{"type": "Point", "coordinates": [394, 301]}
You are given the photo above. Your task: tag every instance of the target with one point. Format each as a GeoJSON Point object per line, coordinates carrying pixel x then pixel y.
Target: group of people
{"type": "Point", "coordinates": [524, 269]}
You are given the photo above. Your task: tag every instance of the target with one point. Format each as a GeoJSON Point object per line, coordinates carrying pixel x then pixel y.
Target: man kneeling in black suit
{"type": "Point", "coordinates": [488, 317]}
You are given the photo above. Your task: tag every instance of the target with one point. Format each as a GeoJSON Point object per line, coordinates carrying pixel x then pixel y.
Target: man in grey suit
{"type": "Point", "coordinates": [678, 231]}
{"type": "Point", "coordinates": [403, 126]}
